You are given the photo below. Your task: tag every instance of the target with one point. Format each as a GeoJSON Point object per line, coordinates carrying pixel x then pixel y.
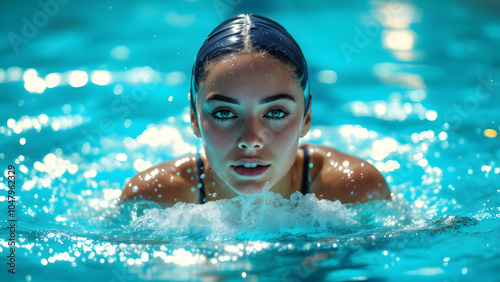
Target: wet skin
{"type": "Point", "coordinates": [250, 107]}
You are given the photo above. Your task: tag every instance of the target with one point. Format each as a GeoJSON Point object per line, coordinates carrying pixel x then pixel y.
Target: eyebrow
{"type": "Point", "coordinates": [222, 98]}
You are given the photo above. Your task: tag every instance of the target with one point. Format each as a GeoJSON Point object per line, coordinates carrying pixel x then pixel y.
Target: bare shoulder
{"type": "Point", "coordinates": [339, 176]}
{"type": "Point", "coordinates": [166, 183]}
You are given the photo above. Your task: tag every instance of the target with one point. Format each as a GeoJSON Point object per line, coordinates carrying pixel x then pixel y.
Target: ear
{"type": "Point", "coordinates": [307, 120]}
{"type": "Point", "coordinates": [194, 124]}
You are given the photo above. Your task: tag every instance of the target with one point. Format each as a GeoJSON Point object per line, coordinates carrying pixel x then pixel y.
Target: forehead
{"type": "Point", "coordinates": [248, 72]}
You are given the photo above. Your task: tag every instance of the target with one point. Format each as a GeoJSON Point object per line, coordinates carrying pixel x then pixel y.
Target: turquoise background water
{"type": "Point", "coordinates": [410, 86]}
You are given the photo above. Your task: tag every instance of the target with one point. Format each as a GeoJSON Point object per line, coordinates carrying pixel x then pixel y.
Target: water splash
{"type": "Point", "coordinates": [266, 216]}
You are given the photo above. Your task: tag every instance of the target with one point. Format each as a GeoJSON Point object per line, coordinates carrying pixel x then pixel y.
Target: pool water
{"type": "Point", "coordinates": [93, 92]}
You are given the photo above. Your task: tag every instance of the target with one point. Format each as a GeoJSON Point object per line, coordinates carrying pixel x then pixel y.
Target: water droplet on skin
{"type": "Point", "coordinates": [156, 190]}
{"type": "Point", "coordinates": [178, 173]}
{"type": "Point", "coordinates": [188, 170]}
{"type": "Point", "coordinates": [135, 189]}
{"type": "Point", "coordinates": [311, 165]}
{"type": "Point", "coordinates": [362, 164]}
{"type": "Point", "coordinates": [159, 185]}
{"type": "Point", "coordinates": [193, 189]}
{"type": "Point", "coordinates": [215, 194]}
{"type": "Point", "coordinates": [159, 195]}
{"type": "Point", "coordinates": [352, 192]}
{"type": "Point", "coordinates": [213, 182]}
{"type": "Point", "coordinates": [202, 176]}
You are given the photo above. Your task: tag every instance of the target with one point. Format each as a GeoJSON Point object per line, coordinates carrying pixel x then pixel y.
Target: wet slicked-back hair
{"type": "Point", "coordinates": [247, 34]}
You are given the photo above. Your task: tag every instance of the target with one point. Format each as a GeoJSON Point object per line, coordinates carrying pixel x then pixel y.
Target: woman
{"type": "Point", "coordinates": [250, 103]}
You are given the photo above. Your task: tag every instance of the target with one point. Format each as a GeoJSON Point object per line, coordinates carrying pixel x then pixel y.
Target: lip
{"type": "Point", "coordinates": [250, 172]}
{"type": "Point", "coordinates": [250, 161]}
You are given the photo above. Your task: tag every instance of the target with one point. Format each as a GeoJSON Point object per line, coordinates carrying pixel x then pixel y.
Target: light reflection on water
{"type": "Point", "coordinates": [35, 84]}
{"type": "Point", "coordinates": [406, 103]}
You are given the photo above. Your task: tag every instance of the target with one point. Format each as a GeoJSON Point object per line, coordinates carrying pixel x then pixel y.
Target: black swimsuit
{"type": "Point", "coordinates": [201, 175]}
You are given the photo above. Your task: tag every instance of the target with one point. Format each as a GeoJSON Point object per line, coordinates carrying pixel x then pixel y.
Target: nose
{"type": "Point", "coordinates": [251, 137]}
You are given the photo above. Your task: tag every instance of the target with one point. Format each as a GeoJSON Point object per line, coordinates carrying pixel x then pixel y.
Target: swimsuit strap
{"type": "Point", "coordinates": [305, 173]}
{"type": "Point", "coordinates": [201, 193]}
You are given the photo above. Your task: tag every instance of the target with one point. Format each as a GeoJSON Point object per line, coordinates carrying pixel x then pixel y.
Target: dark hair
{"type": "Point", "coordinates": [245, 34]}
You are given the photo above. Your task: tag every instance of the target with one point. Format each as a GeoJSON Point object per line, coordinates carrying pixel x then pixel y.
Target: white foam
{"type": "Point", "coordinates": [263, 216]}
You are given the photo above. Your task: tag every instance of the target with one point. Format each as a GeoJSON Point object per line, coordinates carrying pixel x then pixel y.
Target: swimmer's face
{"type": "Point", "coordinates": [250, 107]}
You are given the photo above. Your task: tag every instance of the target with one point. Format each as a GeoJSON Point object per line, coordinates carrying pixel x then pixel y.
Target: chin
{"type": "Point", "coordinates": [249, 190]}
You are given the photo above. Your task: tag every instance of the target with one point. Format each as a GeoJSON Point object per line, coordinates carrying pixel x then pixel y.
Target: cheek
{"type": "Point", "coordinates": [213, 133]}
{"type": "Point", "coordinates": [286, 133]}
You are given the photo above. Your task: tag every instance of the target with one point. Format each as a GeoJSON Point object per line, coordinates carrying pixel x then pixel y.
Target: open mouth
{"type": "Point", "coordinates": [250, 169]}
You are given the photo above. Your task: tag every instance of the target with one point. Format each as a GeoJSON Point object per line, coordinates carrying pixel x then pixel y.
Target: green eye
{"type": "Point", "coordinates": [277, 114]}
{"type": "Point", "coordinates": [222, 115]}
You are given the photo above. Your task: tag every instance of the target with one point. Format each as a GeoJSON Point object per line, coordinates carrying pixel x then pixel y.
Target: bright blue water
{"type": "Point", "coordinates": [411, 87]}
